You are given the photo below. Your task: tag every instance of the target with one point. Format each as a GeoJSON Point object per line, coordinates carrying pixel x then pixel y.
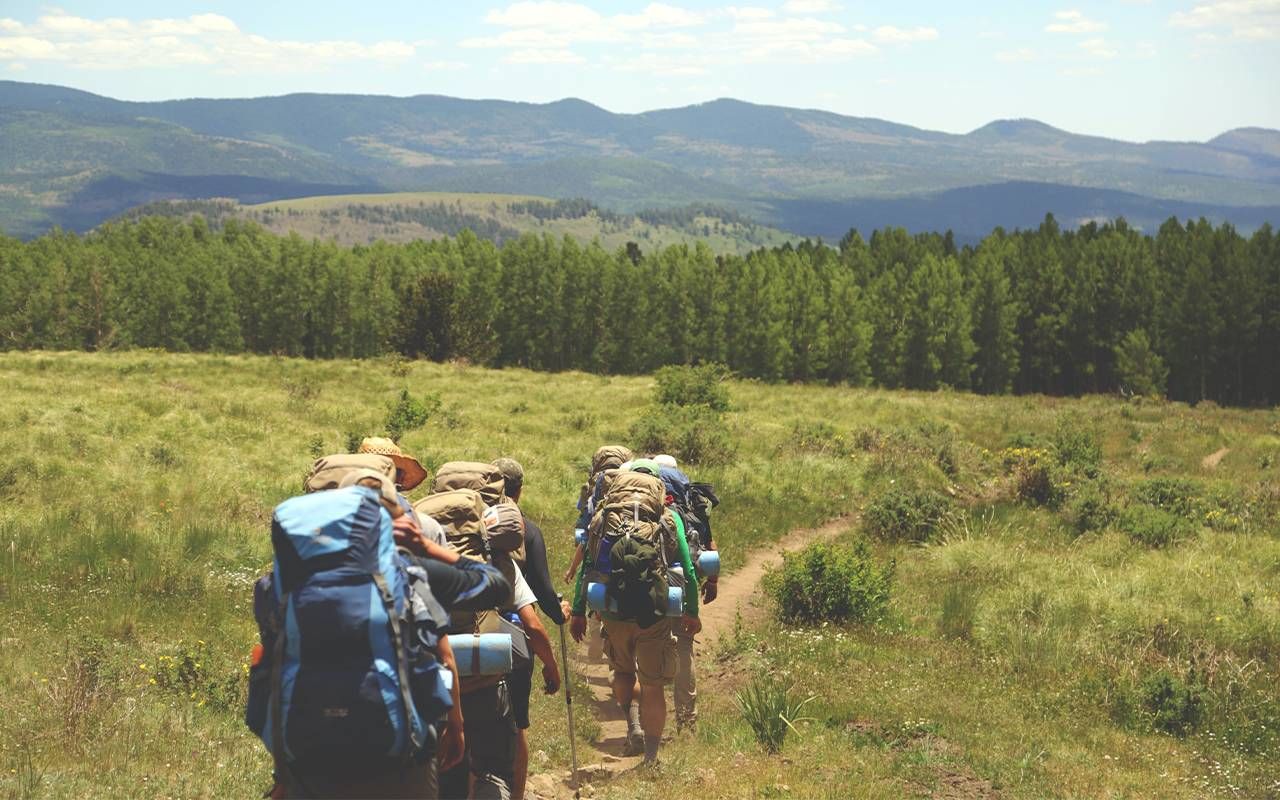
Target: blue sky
{"type": "Point", "coordinates": [1129, 69]}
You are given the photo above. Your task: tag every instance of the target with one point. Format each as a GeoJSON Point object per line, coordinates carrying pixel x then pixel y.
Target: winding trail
{"type": "Point", "coordinates": [739, 592]}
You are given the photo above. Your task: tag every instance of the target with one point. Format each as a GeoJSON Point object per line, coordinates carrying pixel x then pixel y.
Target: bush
{"type": "Point", "coordinates": [830, 583]}
{"type": "Point", "coordinates": [693, 386]}
{"type": "Point", "coordinates": [1077, 448]}
{"type": "Point", "coordinates": [906, 515]}
{"type": "Point", "coordinates": [1091, 511]}
{"type": "Point", "coordinates": [819, 436]}
{"type": "Point", "coordinates": [410, 413]}
{"type": "Point", "coordinates": [1038, 480]}
{"type": "Point", "coordinates": [1175, 495]}
{"type": "Point", "coordinates": [1174, 705]}
{"type": "Point", "coordinates": [770, 710]}
{"type": "Point", "coordinates": [693, 434]}
{"type": "Point", "coordinates": [1154, 527]}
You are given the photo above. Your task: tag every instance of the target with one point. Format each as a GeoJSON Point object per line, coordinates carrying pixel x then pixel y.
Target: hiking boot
{"type": "Point", "coordinates": [634, 745]}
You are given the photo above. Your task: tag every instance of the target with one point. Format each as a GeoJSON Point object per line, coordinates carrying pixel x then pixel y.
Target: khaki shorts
{"type": "Point", "coordinates": [648, 652]}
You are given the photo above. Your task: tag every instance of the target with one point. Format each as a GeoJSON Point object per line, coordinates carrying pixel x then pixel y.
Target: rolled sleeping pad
{"type": "Point", "coordinates": [579, 536]}
{"type": "Point", "coordinates": [709, 563]}
{"type": "Point", "coordinates": [481, 654]}
{"type": "Point", "coordinates": [597, 597]}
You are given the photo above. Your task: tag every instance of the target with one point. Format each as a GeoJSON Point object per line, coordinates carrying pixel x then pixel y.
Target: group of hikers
{"type": "Point", "coordinates": [399, 638]}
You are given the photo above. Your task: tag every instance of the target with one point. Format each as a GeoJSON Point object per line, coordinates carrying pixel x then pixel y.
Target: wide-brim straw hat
{"type": "Point", "coordinates": [412, 472]}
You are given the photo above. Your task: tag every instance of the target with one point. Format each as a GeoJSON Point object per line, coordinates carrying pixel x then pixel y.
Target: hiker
{"type": "Point", "coordinates": [408, 476]}
{"type": "Point", "coordinates": [536, 574]}
{"type": "Point", "coordinates": [607, 457]}
{"type": "Point", "coordinates": [632, 538]}
{"type": "Point", "coordinates": [480, 522]}
{"type": "Point", "coordinates": [692, 504]}
{"type": "Point", "coordinates": [322, 624]}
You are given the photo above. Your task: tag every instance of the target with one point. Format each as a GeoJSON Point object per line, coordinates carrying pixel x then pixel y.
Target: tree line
{"type": "Point", "coordinates": [1193, 311]}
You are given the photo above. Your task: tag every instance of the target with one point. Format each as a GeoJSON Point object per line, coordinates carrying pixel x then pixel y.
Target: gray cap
{"type": "Point", "coordinates": [510, 469]}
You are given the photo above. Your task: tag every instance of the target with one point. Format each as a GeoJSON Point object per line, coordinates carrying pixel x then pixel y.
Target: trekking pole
{"type": "Point", "coordinates": [568, 702]}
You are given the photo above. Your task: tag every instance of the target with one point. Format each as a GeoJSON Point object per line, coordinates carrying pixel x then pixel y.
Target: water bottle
{"type": "Point", "coordinates": [709, 564]}
{"type": "Point", "coordinates": [579, 536]}
{"type": "Point", "coordinates": [481, 654]}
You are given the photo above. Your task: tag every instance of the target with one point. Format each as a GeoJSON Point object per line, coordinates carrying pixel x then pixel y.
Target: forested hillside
{"type": "Point", "coordinates": [406, 216]}
{"type": "Point", "coordinates": [1194, 310]}
{"type": "Point", "coordinates": [74, 159]}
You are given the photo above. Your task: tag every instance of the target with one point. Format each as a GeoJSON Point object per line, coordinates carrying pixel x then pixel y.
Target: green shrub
{"type": "Point", "coordinates": [410, 413]}
{"type": "Point", "coordinates": [1091, 511]}
{"type": "Point", "coordinates": [1154, 527]}
{"type": "Point", "coordinates": [693, 386]}
{"type": "Point", "coordinates": [1076, 447]}
{"type": "Point", "coordinates": [1140, 369]}
{"type": "Point", "coordinates": [1175, 495]}
{"type": "Point", "coordinates": [911, 515]}
{"type": "Point", "coordinates": [771, 710]}
{"type": "Point", "coordinates": [830, 583]}
{"type": "Point", "coordinates": [1174, 706]}
{"type": "Point", "coordinates": [693, 434]}
{"type": "Point", "coordinates": [819, 436]}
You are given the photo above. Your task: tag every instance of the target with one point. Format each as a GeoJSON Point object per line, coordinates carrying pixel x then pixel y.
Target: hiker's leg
{"type": "Point", "coordinates": [520, 770]}
{"type": "Point", "coordinates": [492, 742]}
{"type": "Point", "coordinates": [686, 686]}
{"type": "Point", "coordinates": [620, 640]}
{"type": "Point", "coordinates": [656, 668]}
{"type": "Point", "coordinates": [624, 687]}
{"type": "Point", "coordinates": [521, 683]}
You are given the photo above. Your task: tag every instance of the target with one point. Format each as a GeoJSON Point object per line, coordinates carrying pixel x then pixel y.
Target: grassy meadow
{"type": "Point", "coordinates": [1090, 608]}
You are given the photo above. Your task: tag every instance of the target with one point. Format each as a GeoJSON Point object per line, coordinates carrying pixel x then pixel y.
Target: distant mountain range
{"type": "Point", "coordinates": [72, 158]}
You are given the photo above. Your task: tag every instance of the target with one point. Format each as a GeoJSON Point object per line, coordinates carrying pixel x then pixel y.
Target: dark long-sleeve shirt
{"type": "Point", "coordinates": [470, 586]}
{"type": "Point", "coordinates": [536, 573]}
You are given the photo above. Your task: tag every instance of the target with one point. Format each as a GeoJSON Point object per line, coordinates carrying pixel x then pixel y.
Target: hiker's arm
{"type": "Point", "coordinates": [452, 743]}
{"type": "Point", "coordinates": [535, 572]}
{"type": "Point", "coordinates": [686, 564]}
{"type": "Point", "coordinates": [540, 643]}
{"type": "Point", "coordinates": [580, 588]}
{"type": "Point", "coordinates": [579, 553]}
{"type": "Point", "coordinates": [465, 586]}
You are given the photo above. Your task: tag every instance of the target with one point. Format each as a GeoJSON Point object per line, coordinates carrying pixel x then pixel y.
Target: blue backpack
{"type": "Point", "coordinates": [346, 681]}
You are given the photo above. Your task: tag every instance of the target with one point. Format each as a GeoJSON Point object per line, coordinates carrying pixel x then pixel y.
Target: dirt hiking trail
{"type": "Point", "coordinates": [739, 591]}
{"type": "Point", "coordinates": [1212, 460]}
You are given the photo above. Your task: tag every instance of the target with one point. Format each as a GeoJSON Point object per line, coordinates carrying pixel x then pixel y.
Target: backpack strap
{"type": "Point", "coordinates": [402, 662]}
{"type": "Point", "coordinates": [277, 684]}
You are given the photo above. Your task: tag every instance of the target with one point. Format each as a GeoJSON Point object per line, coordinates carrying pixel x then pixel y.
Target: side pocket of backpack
{"type": "Point", "coordinates": [255, 710]}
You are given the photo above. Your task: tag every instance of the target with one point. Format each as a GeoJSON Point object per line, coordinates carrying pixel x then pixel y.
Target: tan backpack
{"type": "Point", "coordinates": [461, 513]}
{"type": "Point", "coordinates": [483, 478]}
{"type": "Point", "coordinates": [327, 472]}
{"type": "Point", "coordinates": [606, 458]}
{"type": "Point", "coordinates": [633, 503]}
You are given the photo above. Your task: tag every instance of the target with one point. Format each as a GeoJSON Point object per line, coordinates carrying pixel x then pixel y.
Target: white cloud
{"type": "Point", "coordinates": [810, 6]}
{"type": "Point", "coordinates": [1244, 19]}
{"type": "Point", "coordinates": [891, 35]}
{"type": "Point", "coordinates": [1082, 72]}
{"type": "Point", "coordinates": [544, 57]}
{"type": "Point", "coordinates": [212, 39]}
{"type": "Point", "coordinates": [1015, 56]}
{"type": "Point", "coordinates": [1098, 48]}
{"type": "Point", "coordinates": [749, 12]}
{"type": "Point", "coordinates": [1072, 21]}
{"type": "Point", "coordinates": [445, 66]}
{"type": "Point", "coordinates": [17, 66]}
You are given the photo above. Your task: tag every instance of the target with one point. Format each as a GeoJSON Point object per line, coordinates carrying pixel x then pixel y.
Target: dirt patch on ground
{"type": "Point", "coordinates": [1212, 460]}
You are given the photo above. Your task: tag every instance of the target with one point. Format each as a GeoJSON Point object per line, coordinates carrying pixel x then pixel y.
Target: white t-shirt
{"type": "Point", "coordinates": [521, 594]}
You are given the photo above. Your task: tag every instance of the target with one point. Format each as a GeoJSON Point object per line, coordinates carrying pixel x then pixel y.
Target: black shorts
{"type": "Point", "coordinates": [521, 683]}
